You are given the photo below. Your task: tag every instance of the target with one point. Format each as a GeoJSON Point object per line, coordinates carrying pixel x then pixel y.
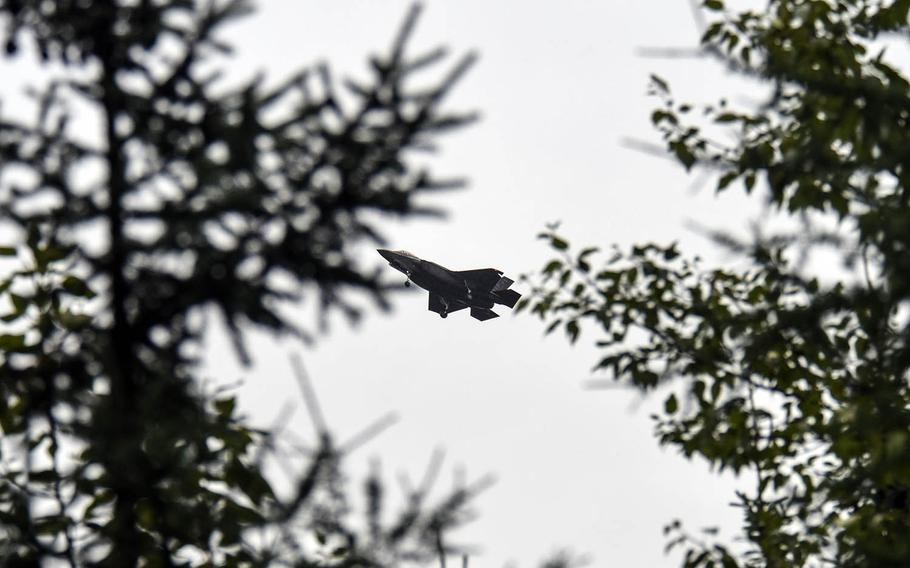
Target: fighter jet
{"type": "Point", "coordinates": [452, 290]}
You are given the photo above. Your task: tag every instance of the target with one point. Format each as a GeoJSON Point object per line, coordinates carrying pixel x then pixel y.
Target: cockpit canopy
{"type": "Point", "coordinates": [406, 253]}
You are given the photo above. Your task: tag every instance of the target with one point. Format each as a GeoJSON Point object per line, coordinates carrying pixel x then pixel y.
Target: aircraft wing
{"type": "Point", "coordinates": [437, 305]}
{"type": "Point", "coordinates": [483, 279]}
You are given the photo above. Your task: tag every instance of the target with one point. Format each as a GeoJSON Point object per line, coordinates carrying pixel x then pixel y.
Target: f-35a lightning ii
{"type": "Point", "coordinates": [452, 290]}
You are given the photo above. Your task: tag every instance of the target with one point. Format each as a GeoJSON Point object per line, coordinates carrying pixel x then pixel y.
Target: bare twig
{"type": "Point", "coordinates": [368, 433]}
{"type": "Point", "coordinates": [429, 477]}
{"type": "Point", "coordinates": [671, 52]}
{"type": "Point", "coordinates": [309, 395]}
{"type": "Point", "coordinates": [440, 548]}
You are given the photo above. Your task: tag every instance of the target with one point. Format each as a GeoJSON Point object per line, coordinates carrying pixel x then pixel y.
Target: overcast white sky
{"type": "Point", "coordinates": [559, 85]}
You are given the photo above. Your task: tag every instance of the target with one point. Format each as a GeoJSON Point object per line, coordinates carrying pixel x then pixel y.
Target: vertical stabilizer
{"type": "Point", "coordinates": [503, 284]}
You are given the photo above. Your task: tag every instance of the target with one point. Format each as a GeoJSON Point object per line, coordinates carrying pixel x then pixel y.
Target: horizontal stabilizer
{"type": "Point", "coordinates": [503, 284]}
{"type": "Point", "coordinates": [483, 314]}
{"type": "Point", "coordinates": [507, 298]}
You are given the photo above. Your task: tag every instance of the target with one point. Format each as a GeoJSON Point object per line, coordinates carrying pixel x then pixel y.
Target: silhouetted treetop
{"type": "Point", "coordinates": [783, 364]}
{"type": "Point", "coordinates": [241, 183]}
{"type": "Point", "coordinates": [145, 190]}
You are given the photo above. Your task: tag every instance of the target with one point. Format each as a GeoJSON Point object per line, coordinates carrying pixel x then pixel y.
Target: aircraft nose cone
{"type": "Point", "coordinates": [386, 254]}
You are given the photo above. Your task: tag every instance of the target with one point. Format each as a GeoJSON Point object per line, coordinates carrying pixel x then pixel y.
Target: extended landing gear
{"type": "Point", "coordinates": [407, 283]}
{"type": "Point", "coordinates": [470, 295]}
{"type": "Point", "coordinates": [443, 315]}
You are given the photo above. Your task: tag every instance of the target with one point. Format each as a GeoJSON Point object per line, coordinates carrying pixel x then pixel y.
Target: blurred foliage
{"type": "Point", "coordinates": [146, 191]}
{"type": "Point", "coordinates": [777, 366]}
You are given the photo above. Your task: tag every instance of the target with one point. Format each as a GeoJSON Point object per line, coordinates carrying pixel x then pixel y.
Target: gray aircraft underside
{"type": "Point", "coordinates": [453, 290]}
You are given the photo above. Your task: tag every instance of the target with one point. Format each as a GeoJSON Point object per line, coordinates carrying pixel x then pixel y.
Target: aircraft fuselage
{"type": "Point", "coordinates": [439, 279]}
{"type": "Point", "coordinates": [452, 290]}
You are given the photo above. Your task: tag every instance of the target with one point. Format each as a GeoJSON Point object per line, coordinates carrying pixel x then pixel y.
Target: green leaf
{"type": "Point", "coordinates": [102, 498]}
{"type": "Point", "coordinates": [522, 305]}
{"type": "Point", "coordinates": [7, 251]}
{"type": "Point", "coordinates": [558, 243]}
{"type": "Point", "coordinates": [33, 236]}
{"type": "Point", "coordinates": [553, 325]}
{"type": "Point", "coordinates": [839, 203]}
{"type": "Point", "coordinates": [572, 330]}
{"type": "Point", "coordinates": [749, 181]}
{"type": "Point", "coordinates": [240, 515]}
{"type": "Point", "coordinates": [20, 303]}
{"type": "Point", "coordinates": [73, 321]}
{"type": "Point", "coordinates": [145, 514]}
{"type": "Point", "coordinates": [660, 83]}
{"type": "Point", "coordinates": [225, 406]}
{"type": "Point", "coordinates": [712, 32]}
{"type": "Point", "coordinates": [51, 525]}
{"type": "Point", "coordinates": [671, 405]}
{"type": "Point", "coordinates": [51, 254]}
{"type": "Point", "coordinates": [44, 476]}
{"type": "Point", "coordinates": [588, 251]}
{"type": "Point", "coordinates": [12, 342]}
{"type": "Point", "coordinates": [552, 266]}
{"type": "Point", "coordinates": [726, 180]}
{"type": "Point", "coordinates": [77, 287]}
{"type": "Point", "coordinates": [714, 5]}
{"type": "Point", "coordinates": [45, 255]}
{"type": "Point", "coordinates": [659, 116]}
{"type": "Point", "coordinates": [683, 154]}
